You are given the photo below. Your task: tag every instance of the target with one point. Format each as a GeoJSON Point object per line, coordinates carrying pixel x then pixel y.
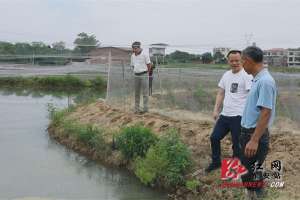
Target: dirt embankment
{"type": "Point", "coordinates": [195, 133]}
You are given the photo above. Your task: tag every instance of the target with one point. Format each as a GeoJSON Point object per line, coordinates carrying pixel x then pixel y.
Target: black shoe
{"type": "Point", "coordinates": [212, 166]}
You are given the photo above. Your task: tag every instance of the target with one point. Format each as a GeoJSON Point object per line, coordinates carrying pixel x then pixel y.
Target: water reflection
{"type": "Point", "coordinates": [76, 96]}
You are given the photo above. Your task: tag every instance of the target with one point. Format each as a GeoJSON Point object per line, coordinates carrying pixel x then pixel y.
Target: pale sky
{"type": "Point", "coordinates": [196, 25]}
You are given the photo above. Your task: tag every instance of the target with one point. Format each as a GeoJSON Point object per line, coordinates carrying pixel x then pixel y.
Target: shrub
{"type": "Point", "coordinates": [72, 81]}
{"type": "Point", "coordinates": [98, 141]}
{"type": "Point", "coordinates": [192, 184]}
{"type": "Point", "coordinates": [167, 160]}
{"type": "Point", "coordinates": [56, 116]}
{"type": "Point", "coordinates": [98, 82]}
{"type": "Point", "coordinates": [152, 167]}
{"type": "Point", "coordinates": [135, 141]}
{"type": "Point", "coordinates": [85, 133]}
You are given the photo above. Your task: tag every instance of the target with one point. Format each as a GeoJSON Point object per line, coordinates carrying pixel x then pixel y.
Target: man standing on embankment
{"type": "Point", "coordinates": [141, 64]}
{"type": "Point", "coordinates": [233, 90]}
{"type": "Point", "coordinates": [257, 118]}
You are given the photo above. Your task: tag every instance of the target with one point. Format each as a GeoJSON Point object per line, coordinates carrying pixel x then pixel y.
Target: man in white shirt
{"type": "Point", "coordinates": [233, 90]}
{"type": "Point", "coordinates": [141, 66]}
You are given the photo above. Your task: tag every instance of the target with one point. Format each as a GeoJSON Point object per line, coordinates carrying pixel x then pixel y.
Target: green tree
{"type": "Point", "coordinates": [206, 58]}
{"type": "Point", "coordinates": [40, 48]}
{"type": "Point", "coordinates": [85, 43]}
{"type": "Point", "coordinates": [219, 58]}
{"type": "Point", "coordinates": [23, 48]}
{"type": "Point", "coordinates": [7, 48]}
{"type": "Point", "coordinates": [59, 47]}
{"type": "Point", "coordinates": [181, 56]}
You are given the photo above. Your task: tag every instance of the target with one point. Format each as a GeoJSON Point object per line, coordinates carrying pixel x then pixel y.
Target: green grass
{"type": "Point", "coordinates": [192, 184]}
{"type": "Point", "coordinates": [85, 133]}
{"type": "Point", "coordinates": [66, 82]}
{"type": "Point", "coordinates": [166, 162]}
{"type": "Point", "coordinates": [134, 141]}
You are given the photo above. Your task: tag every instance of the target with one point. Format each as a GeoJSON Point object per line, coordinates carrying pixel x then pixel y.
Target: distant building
{"type": "Point", "coordinates": [158, 49]}
{"type": "Point", "coordinates": [223, 50]}
{"type": "Point", "coordinates": [293, 57]}
{"type": "Point", "coordinates": [157, 52]}
{"type": "Point", "coordinates": [276, 57]}
{"type": "Point", "coordinates": [101, 55]}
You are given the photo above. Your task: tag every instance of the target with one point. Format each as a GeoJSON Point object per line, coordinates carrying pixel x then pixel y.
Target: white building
{"type": "Point", "coordinates": [222, 50]}
{"type": "Point", "coordinates": [294, 57]}
{"type": "Point", "coordinates": [275, 57]}
{"type": "Point", "coordinates": [158, 49]}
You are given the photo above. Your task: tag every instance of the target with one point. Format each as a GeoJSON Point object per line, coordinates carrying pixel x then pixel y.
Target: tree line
{"type": "Point", "coordinates": [205, 58]}
{"type": "Point", "coordinates": [84, 43]}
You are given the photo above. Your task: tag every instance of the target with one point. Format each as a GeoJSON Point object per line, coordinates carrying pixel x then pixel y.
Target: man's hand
{"type": "Point", "coordinates": [219, 100]}
{"type": "Point", "coordinates": [251, 148]}
{"type": "Point", "coordinates": [149, 66]}
{"type": "Point", "coordinates": [216, 115]}
{"type": "Point", "coordinates": [262, 124]}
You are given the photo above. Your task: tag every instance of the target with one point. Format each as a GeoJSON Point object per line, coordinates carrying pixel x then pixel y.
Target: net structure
{"type": "Point", "coordinates": [192, 91]}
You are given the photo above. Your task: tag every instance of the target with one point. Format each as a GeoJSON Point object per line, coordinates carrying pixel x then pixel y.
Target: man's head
{"type": "Point", "coordinates": [235, 60]}
{"type": "Point", "coordinates": [136, 47]}
{"type": "Point", "coordinates": [252, 59]}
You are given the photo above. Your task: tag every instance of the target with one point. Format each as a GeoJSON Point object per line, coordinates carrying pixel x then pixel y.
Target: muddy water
{"type": "Point", "coordinates": [35, 167]}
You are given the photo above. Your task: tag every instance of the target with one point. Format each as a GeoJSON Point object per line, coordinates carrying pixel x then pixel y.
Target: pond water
{"type": "Point", "coordinates": [35, 167]}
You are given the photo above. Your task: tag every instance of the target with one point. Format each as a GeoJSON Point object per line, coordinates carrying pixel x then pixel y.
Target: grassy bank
{"type": "Point", "coordinates": [66, 82]}
{"type": "Point", "coordinates": [161, 161]}
{"type": "Point", "coordinates": [37, 61]}
{"type": "Point", "coordinates": [161, 151]}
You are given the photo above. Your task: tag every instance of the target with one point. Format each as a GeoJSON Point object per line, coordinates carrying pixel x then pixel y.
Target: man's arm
{"type": "Point", "coordinates": [265, 103]}
{"type": "Point", "coordinates": [218, 104]}
{"type": "Point", "coordinates": [262, 124]}
{"type": "Point", "coordinates": [149, 66]}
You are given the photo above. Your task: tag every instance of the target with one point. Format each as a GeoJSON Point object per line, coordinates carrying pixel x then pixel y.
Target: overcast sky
{"type": "Point", "coordinates": [196, 25]}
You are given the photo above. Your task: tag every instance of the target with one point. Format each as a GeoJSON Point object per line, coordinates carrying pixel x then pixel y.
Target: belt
{"type": "Point", "coordinates": [247, 130]}
{"type": "Point", "coordinates": [140, 73]}
{"type": "Point", "coordinates": [251, 130]}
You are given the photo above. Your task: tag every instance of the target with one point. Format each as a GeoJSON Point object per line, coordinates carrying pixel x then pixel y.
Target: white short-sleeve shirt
{"type": "Point", "coordinates": [236, 88]}
{"type": "Point", "coordinates": [139, 62]}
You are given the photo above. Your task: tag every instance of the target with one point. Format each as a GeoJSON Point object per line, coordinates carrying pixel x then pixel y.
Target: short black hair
{"type": "Point", "coordinates": [255, 53]}
{"type": "Point", "coordinates": [136, 44]}
{"type": "Point", "coordinates": [234, 52]}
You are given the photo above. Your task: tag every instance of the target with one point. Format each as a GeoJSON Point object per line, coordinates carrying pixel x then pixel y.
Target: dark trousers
{"type": "Point", "coordinates": [223, 125]}
{"type": "Point", "coordinates": [254, 164]}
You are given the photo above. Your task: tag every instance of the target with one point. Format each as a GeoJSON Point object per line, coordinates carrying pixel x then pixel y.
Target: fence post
{"type": "Point", "coordinates": [123, 85]}
{"type": "Point", "coordinates": [158, 75]}
{"type": "Point", "coordinates": [108, 76]}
